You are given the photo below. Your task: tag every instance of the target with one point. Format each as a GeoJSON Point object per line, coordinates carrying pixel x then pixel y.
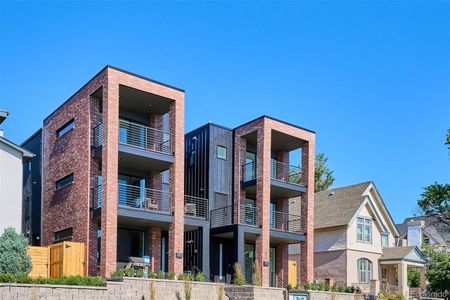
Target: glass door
{"type": "Point", "coordinates": [250, 217]}
{"type": "Point", "coordinates": [273, 267]}
{"type": "Point", "coordinates": [273, 219]}
{"type": "Point", "coordinates": [249, 259]}
{"type": "Point", "coordinates": [250, 166]}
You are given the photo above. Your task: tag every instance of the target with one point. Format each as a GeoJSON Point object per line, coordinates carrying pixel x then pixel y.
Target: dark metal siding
{"type": "Point", "coordinates": [32, 174]}
{"type": "Point", "coordinates": [221, 171]}
{"type": "Point", "coordinates": [197, 172]}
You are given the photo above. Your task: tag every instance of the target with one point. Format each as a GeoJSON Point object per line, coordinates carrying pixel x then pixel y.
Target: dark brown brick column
{"type": "Point", "coordinates": [154, 246]}
{"type": "Point", "coordinates": [263, 200]}
{"type": "Point", "coordinates": [307, 213]}
{"type": "Point", "coordinates": [239, 160]}
{"type": "Point", "coordinates": [110, 176]}
{"type": "Point", "coordinates": [176, 230]}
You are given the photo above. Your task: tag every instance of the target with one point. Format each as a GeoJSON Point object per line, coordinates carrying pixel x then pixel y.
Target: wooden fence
{"type": "Point", "coordinates": [62, 259]}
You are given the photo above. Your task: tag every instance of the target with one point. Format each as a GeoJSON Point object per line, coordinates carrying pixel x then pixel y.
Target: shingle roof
{"type": "Point", "coordinates": [399, 253]}
{"type": "Point", "coordinates": [336, 207]}
{"type": "Point", "coordinates": [439, 233]}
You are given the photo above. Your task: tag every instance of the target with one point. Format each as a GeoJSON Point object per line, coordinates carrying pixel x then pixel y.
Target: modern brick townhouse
{"type": "Point", "coordinates": [119, 174]}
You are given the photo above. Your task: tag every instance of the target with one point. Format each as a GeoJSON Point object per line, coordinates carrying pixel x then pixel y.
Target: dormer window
{"type": "Point", "coordinates": [384, 240]}
{"type": "Point", "coordinates": [364, 230]}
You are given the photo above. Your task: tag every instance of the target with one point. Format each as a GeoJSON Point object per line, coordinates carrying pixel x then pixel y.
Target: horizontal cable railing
{"type": "Point", "coordinates": [250, 215]}
{"type": "Point", "coordinates": [249, 171]}
{"type": "Point", "coordinates": [221, 216]}
{"type": "Point", "coordinates": [196, 207]}
{"type": "Point", "coordinates": [145, 198]}
{"type": "Point", "coordinates": [286, 173]}
{"type": "Point", "coordinates": [97, 136]}
{"type": "Point", "coordinates": [96, 197]}
{"type": "Point", "coordinates": [152, 139]}
{"type": "Point", "coordinates": [285, 222]}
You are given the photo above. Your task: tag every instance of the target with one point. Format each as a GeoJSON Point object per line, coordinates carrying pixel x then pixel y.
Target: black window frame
{"type": "Point", "coordinates": [67, 127]}
{"type": "Point", "coordinates": [57, 182]}
{"type": "Point", "coordinates": [64, 234]}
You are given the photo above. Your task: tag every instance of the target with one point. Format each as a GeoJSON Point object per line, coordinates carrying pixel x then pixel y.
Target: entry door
{"type": "Point", "coordinates": [250, 217]}
{"type": "Point", "coordinates": [249, 259]}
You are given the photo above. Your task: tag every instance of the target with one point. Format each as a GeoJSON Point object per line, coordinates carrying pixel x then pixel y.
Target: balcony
{"type": "Point", "coordinates": [285, 180]}
{"type": "Point", "coordinates": [140, 147]}
{"type": "Point", "coordinates": [223, 216]}
{"type": "Point", "coordinates": [285, 222]}
{"type": "Point", "coordinates": [135, 197]}
{"type": "Point", "coordinates": [195, 207]}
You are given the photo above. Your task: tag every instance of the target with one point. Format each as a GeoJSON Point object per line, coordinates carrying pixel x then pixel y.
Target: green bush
{"type": "Point", "coordinates": [161, 275]}
{"type": "Point", "coordinates": [200, 277]}
{"type": "Point", "coordinates": [65, 280]}
{"type": "Point", "coordinates": [14, 258]}
{"type": "Point", "coordinates": [390, 296]}
{"type": "Point", "coordinates": [118, 273]}
{"type": "Point", "coordinates": [171, 275]}
{"type": "Point", "coordinates": [239, 278]}
{"type": "Point", "coordinates": [129, 272]}
{"type": "Point", "coordinates": [151, 274]}
{"type": "Point", "coordinates": [140, 273]}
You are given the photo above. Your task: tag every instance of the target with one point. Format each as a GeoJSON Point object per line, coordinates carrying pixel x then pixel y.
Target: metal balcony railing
{"type": "Point", "coordinates": [249, 171]}
{"type": "Point", "coordinates": [144, 198]}
{"type": "Point", "coordinates": [97, 136]}
{"type": "Point", "coordinates": [147, 138]}
{"type": "Point", "coordinates": [286, 173]}
{"type": "Point", "coordinates": [196, 207]}
{"type": "Point", "coordinates": [96, 197]}
{"type": "Point", "coordinates": [221, 216]}
{"type": "Point", "coordinates": [250, 215]}
{"type": "Point", "coordinates": [285, 222]}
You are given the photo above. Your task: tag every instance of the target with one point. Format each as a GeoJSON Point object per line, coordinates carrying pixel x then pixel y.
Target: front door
{"type": "Point", "coordinates": [249, 258]}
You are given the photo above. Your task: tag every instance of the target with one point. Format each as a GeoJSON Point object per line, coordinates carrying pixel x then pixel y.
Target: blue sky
{"type": "Point", "coordinates": [371, 78]}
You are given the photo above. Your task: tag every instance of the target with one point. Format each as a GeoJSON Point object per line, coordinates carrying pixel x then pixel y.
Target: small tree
{"type": "Point", "coordinates": [14, 258]}
{"type": "Point", "coordinates": [435, 203]}
{"type": "Point", "coordinates": [323, 176]}
{"type": "Point", "coordinates": [413, 278]}
{"type": "Point", "coordinates": [256, 276]}
{"type": "Point", "coordinates": [447, 139]}
{"type": "Point", "coordinates": [438, 269]}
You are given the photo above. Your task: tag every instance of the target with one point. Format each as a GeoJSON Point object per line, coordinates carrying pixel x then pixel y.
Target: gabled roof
{"type": "Point", "coordinates": [431, 229]}
{"type": "Point", "coordinates": [3, 115]}
{"type": "Point", "coordinates": [410, 253]}
{"type": "Point", "coordinates": [25, 152]}
{"type": "Point", "coordinates": [336, 207]}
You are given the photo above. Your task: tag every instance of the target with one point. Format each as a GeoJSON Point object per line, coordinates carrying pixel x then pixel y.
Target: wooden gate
{"type": "Point", "coordinates": [62, 259]}
{"type": "Point", "coordinates": [292, 274]}
{"type": "Point", "coordinates": [39, 261]}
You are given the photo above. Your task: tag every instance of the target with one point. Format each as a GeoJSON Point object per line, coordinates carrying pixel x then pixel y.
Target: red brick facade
{"type": "Point", "coordinates": [264, 127]}
{"type": "Point", "coordinates": [69, 207]}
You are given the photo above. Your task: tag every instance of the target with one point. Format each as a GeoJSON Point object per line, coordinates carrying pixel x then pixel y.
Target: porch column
{"type": "Point", "coordinates": [403, 278]}
{"type": "Point", "coordinates": [423, 279]}
{"type": "Point", "coordinates": [205, 251]}
{"type": "Point", "coordinates": [264, 136]}
{"type": "Point", "coordinates": [239, 242]}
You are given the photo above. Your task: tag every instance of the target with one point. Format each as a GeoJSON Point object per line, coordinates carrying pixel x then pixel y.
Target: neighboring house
{"type": "Point", "coordinates": [356, 241]}
{"type": "Point", "coordinates": [12, 157]}
{"type": "Point", "coordinates": [246, 175]}
{"type": "Point", "coordinates": [118, 174]}
{"type": "Point", "coordinates": [416, 231]}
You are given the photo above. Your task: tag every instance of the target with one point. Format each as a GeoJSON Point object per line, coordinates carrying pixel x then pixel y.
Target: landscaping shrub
{"type": "Point", "coordinates": [200, 277]}
{"type": "Point", "coordinates": [151, 274]}
{"type": "Point", "coordinates": [323, 287]}
{"type": "Point", "coordinates": [390, 296]}
{"type": "Point", "coordinates": [118, 273]}
{"type": "Point", "coordinates": [256, 276]}
{"type": "Point", "coordinates": [64, 280]}
{"type": "Point", "coordinates": [161, 275]}
{"type": "Point", "coordinates": [239, 278]}
{"type": "Point", "coordinates": [171, 276]}
{"type": "Point", "coordinates": [14, 258]}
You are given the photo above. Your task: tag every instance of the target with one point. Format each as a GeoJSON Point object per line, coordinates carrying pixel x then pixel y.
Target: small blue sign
{"type": "Point", "coordinates": [298, 296]}
{"type": "Point", "coordinates": [146, 260]}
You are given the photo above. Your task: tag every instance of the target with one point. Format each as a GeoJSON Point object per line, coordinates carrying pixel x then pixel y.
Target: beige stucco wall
{"type": "Point", "coordinates": [330, 239]}
{"type": "Point", "coordinates": [352, 265]}
{"type": "Point", "coordinates": [331, 264]}
{"type": "Point", "coordinates": [10, 188]}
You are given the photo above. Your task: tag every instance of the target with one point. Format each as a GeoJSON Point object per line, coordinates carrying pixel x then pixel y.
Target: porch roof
{"type": "Point", "coordinates": [409, 253]}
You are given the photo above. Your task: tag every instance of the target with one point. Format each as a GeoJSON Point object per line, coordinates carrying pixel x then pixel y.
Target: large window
{"type": "Point", "coordinates": [364, 270]}
{"type": "Point", "coordinates": [63, 234]}
{"type": "Point", "coordinates": [65, 128]}
{"type": "Point", "coordinates": [384, 240]}
{"type": "Point", "coordinates": [221, 152]}
{"type": "Point", "coordinates": [364, 230]}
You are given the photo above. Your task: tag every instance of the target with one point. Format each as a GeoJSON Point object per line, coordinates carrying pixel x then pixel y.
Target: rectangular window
{"type": "Point", "coordinates": [65, 128]}
{"type": "Point", "coordinates": [64, 181]}
{"type": "Point", "coordinates": [63, 234]}
{"type": "Point", "coordinates": [364, 230]}
{"type": "Point", "coordinates": [221, 152]}
{"type": "Point", "coordinates": [384, 240]}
